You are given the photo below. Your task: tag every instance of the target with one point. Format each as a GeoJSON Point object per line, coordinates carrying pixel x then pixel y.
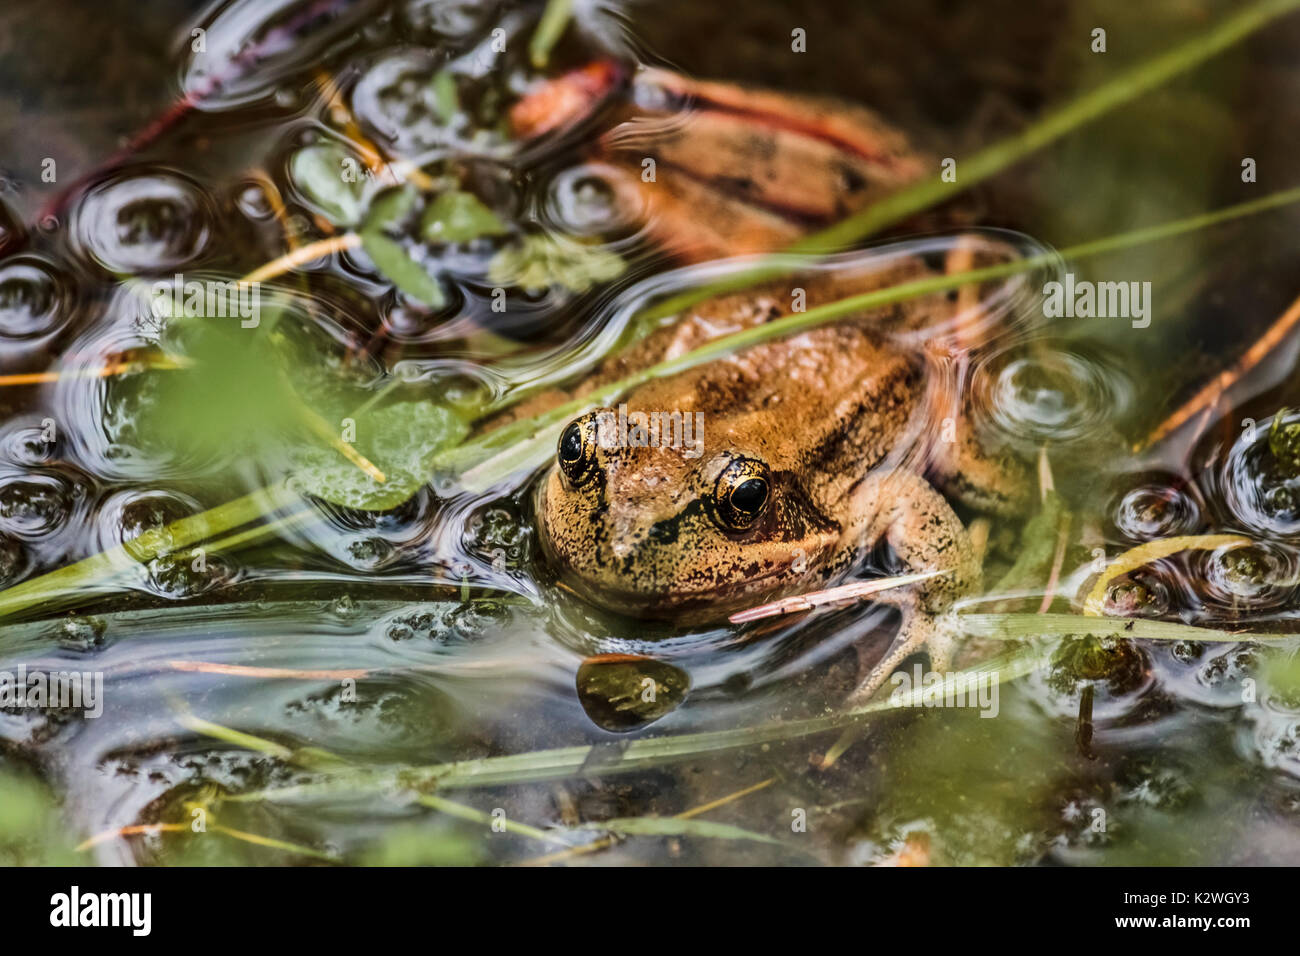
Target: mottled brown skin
{"type": "Point", "coordinates": [826, 411]}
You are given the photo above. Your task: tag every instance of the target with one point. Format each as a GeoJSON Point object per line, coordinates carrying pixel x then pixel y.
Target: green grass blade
{"type": "Point", "coordinates": [1023, 626]}
{"type": "Point", "coordinates": [94, 575]}
{"type": "Point", "coordinates": [676, 826]}
{"type": "Point", "coordinates": [554, 21]}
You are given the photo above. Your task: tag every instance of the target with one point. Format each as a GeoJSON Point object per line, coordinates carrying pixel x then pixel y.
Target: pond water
{"type": "Point", "coordinates": [350, 672]}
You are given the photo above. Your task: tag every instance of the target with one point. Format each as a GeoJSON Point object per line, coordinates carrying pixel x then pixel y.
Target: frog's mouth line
{"type": "Point", "coordinates": [715, 602]}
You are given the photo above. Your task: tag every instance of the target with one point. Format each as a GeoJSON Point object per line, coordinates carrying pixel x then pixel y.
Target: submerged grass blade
{"type": "Point", "coordinates": [314, 758]}
{"type": "Point", "coordinates": [459, 810]}
{"type": "Point", "coordinates": [1026, 626]}
{"type": "Point", "coordinates": [649, 752]}
{"type": "Point", "coordinates": [583, 849]}
{"type": "Point", "coordinates": [641, 754]}
{"type": "Point", "coordinates": [236, 738]}
{"type": "Point", "coordinates": [677, 826]}
{"type": "Point", "coordinates": [258, 840]}
{"type": "Point", "coordinates": [93, 575]}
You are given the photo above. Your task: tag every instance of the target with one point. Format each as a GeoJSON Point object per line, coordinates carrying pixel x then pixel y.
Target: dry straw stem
{"type": "Point", "coordinates": [303, 255]}
{"type": "Point", "coordinates": [1216, 388]}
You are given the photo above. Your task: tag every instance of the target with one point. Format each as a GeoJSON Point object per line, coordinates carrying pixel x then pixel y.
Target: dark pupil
{"type": "Point", "coordinates": [749, 495]}
{"type": "Point", "coordinates": [571, 444]}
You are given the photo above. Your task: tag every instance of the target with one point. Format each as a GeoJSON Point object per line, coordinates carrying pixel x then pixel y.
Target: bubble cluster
{"type": "Point", "coordinates": [124, 515]}
{"type": "Point", "coordinates": [251, 47]}
{"type": "Point", "coordinates": [500, 536]}
{"type": "Point", "coordinates": [397, 102]}
{"type": "Point", "coordinates": [28, 443]}
{"type": "Point", "coordinates": [586, 200]}
{"type": "Point", "coordinates": [1149, 592]}
{"type": "Point", "coordinates": [13, 560]}
{"type": "Point", "coordinates": [36, 504]}
{"type": "Point", "coordinates": [1118, 673]}
{"type": "Point", "coordinates": [447, 19]}
{"type": "Point", "coordinates": [186, 575]}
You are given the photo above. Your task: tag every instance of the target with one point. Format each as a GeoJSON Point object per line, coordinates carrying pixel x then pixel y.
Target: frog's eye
{"type": "Point", "coordinates": [741, 494]}
{"type": "Point", "coordinates": [576, 451]}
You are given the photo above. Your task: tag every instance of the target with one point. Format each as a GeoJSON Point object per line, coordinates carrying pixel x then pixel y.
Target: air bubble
{"type": "Point", "coordinates": [33, 298]}
{"type": "Point", "coordinates": [144, 222]}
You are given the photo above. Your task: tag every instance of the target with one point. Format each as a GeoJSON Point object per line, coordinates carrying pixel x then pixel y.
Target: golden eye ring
{"type": "Point", "coordinates": [575, 452]}
{"type": "Point", "coordinates": [742, 494]}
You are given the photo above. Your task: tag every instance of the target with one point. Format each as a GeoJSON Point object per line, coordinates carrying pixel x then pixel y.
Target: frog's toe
{"type": "Point", "coordinates": [942, 642]}
{"type": "Point", "coordinates": [916, 631]}
{"type": "Point", "coordinates": [937, 634]}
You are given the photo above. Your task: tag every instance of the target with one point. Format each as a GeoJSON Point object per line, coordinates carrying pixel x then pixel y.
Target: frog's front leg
{"type": "Point", "coordinates": [923, 531]}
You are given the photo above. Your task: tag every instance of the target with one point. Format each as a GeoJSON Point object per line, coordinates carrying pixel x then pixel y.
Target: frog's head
{"type": "Point", "coordinates": [689, 530]}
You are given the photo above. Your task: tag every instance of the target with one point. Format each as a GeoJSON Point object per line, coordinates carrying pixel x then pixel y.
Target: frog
{"type": "Point", "coordinates": [810, 449]}
{"type": "Point", "coordinates": [816, 446]}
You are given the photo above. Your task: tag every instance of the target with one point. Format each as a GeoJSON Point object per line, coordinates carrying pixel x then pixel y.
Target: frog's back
{"type": "Point", "coordinates": [735, 312]}
{"type": "Point", "coordinates": [825, 405]}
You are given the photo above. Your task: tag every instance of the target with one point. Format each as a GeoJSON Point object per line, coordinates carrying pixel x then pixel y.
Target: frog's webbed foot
{"type": "Point", "coordinates": [919, 629]}
{"type": "Point", "coordinates": [923, 531]}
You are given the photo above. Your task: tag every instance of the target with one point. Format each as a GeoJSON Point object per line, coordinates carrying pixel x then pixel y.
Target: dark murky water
{"type": "Point", "coordinates": [433, 632]}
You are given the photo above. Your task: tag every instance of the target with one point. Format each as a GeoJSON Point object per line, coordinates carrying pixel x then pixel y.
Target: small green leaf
{"type": "Point", "coordinates": [388, 211]}
{"type": "Point", "coordinates": [541, 261]}
{"type": "Point", "coordinates": [399, 439]}
{"type": "Point", "coordinates": [404, 272]}
{"type": "Point", "coordinates": [445, 98]}
{"type": "Point", "coordinates": [458, 217]}
{"type": "Point", "coordinates": [319, 171]}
